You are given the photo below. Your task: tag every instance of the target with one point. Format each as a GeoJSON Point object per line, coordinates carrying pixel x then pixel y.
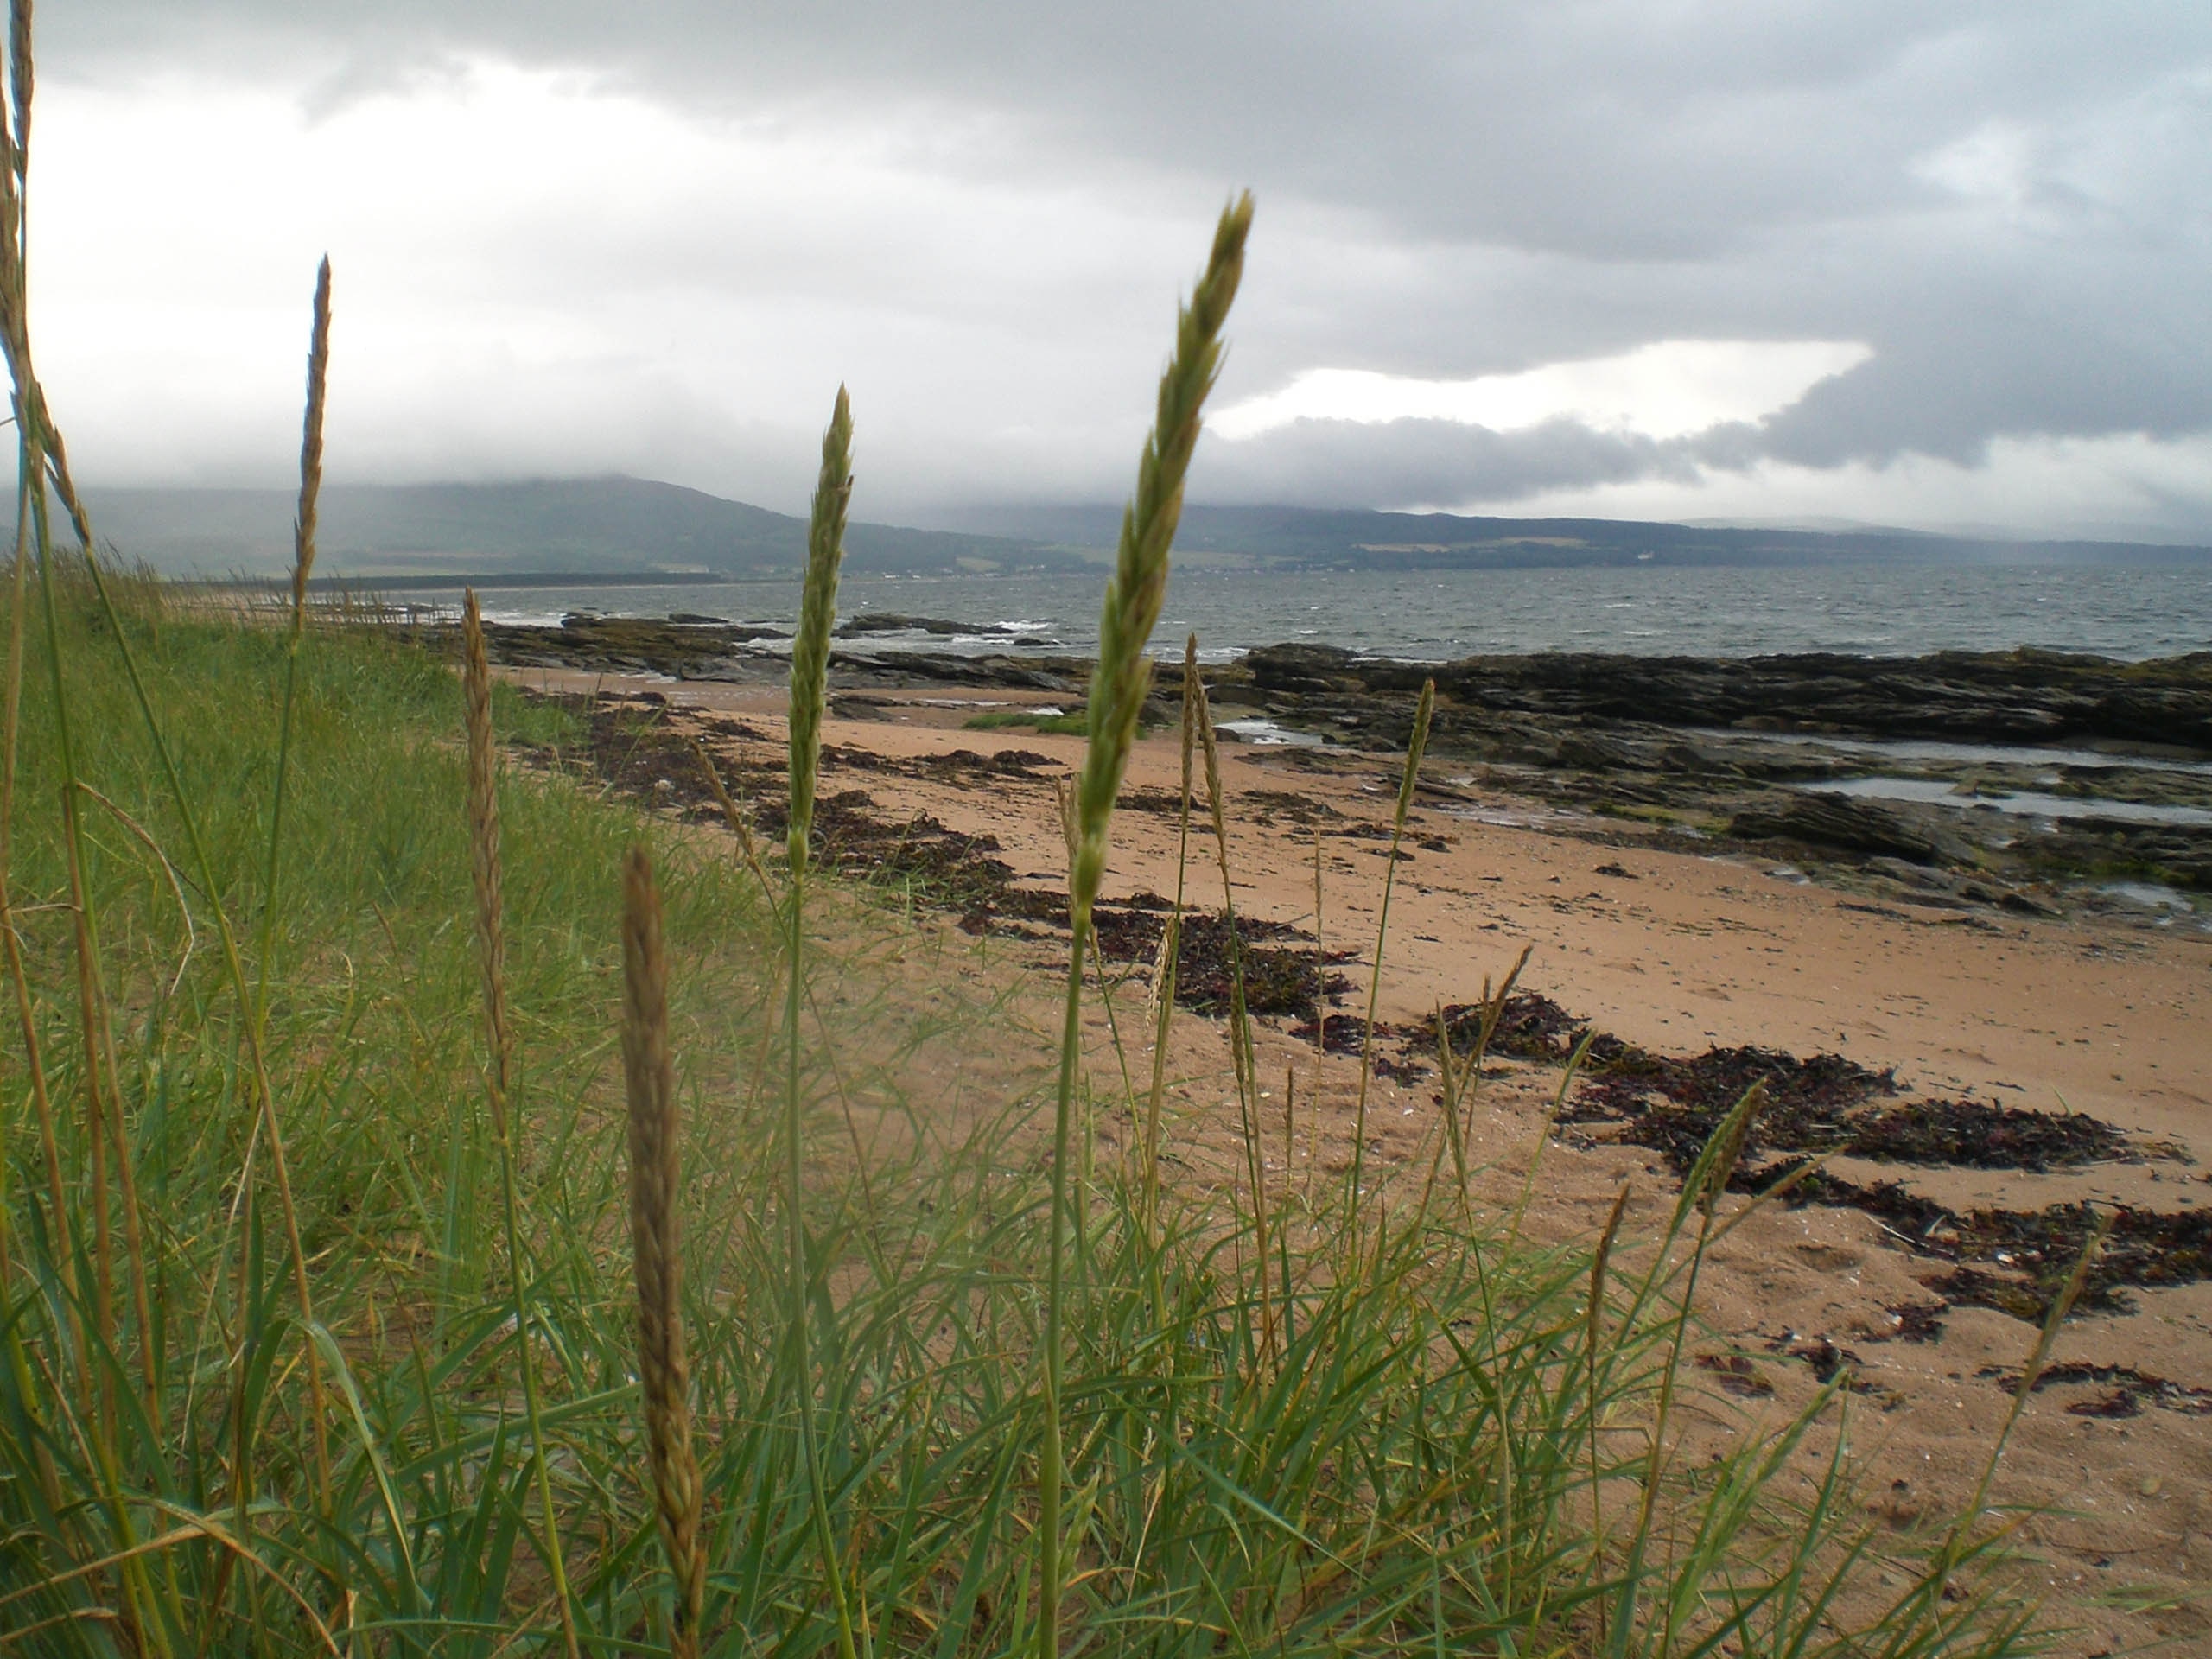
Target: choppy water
{"type": "Point", "coordinates": [2152, 611]}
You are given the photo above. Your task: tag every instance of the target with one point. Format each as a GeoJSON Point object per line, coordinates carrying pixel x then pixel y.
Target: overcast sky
{"type": "Point", "coordinates": [1896, 261]}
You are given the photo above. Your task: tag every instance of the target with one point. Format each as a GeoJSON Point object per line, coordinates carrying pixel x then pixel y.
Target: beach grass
{"type": "Point", "coordinates": [434, 1218]}
{"type": "Point", "coordinates": [1414, 1467]}
{"type": "Point", "coordinates": [1378, 1452]}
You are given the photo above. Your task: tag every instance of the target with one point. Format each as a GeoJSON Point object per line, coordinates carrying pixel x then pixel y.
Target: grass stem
{"type": "Point", "coordinates": [499, 1073]}
{"type": "Point", "coordinates": [1118, 685]}
{"type": "Point", "coordinates": [808, 698]}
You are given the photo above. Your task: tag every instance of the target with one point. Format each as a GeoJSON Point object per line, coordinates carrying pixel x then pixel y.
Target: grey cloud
{"type": "Point", "coordinates": [1612, 130]}
{"type": "Point", "coordinates": [2003, 200]}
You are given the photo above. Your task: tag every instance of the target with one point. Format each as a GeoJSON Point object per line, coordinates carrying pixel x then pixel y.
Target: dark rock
{"type": "Point", "coordinates": [1048, 674]}
{"type": "Point", "coordinates": [2015, 697]}
{"type": "Point", "coordinates": [1591, 753]}
{"type": "Point", "coordinates": [892, 622]}
{"type": "Point", "coordinates": [1829, 820]}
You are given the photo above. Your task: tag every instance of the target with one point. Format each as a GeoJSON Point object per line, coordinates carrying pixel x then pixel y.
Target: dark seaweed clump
{"type": "Point", "coordinates": [1282, 976]}
{"type": "Point", "coordinates": [1339, 1033]}
{"type": "Point", "coordinates": [1824, 1103]}
{"type": "Point", "coordinates": [2014, 1260]}
{"type": "Point", "coordinates": [1673, 1105]}
{"type": "Point", "coordinates": [1346, 1033]}
{"type": "Point", "coordinates": [2130, 1388]}
{"type": "Point", "coordinates": [631, 746]}
{"type": "Point", "coordinates": [2038, 1248]}
{"type": "Point", "coordinates": [1530, 1026]}
{"type": "Point", "coordinates": [1917, 1321]}
{"type": "Point", "coordinates": [1969, 1135]}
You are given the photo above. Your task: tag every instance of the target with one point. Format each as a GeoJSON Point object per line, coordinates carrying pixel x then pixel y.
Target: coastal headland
{"type": "Point", "coordinates": [1955, 910]}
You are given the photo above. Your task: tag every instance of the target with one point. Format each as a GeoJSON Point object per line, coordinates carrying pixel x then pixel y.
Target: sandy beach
{"type": "Point", "coordinates": [1675, 953]}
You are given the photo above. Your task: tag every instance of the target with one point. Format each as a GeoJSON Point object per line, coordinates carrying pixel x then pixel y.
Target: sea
{"type": "Point", "coordinates": [2129, 613]}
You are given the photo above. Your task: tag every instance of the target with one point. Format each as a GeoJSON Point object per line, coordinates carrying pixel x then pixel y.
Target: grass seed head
{"type": "Point", "coordinates": [1140, 581]}
{"type": "Point", "coordinates": [304, 525]}
{"type": "Point", "coordinates": [1163, 963]}
{"type": "Point", "coordinates": [1193, 689]}
{"type": "Point", "coordinates": [1424, 712]}
{"type": "Point", "coordinates": [1728, 1147]}
{"type": "Point", "coordinates": [21, 76]}
{"type": "Point", "coordinates": [825, 551]}
{"type": "Point", "coordinates": [649, 1079]}
{"type": "Point", "coordinates": [483, 844]}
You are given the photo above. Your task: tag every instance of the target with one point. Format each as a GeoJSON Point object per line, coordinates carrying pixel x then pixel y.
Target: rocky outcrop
{"type": "Point", "coordinates": [893, 622]}
{"type": "Point", "coordinates": [1825, 819]}
{"type": "Point", "coordinates": [2014, 696]}
{"type": "Point", "coordinates": [612, 643]}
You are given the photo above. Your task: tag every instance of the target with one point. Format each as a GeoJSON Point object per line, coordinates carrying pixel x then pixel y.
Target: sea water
{"type": "Point", "coordinates": [1862, 610]}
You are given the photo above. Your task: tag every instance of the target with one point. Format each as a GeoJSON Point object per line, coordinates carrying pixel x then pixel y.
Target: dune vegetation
{"type": "Point", "coordinates": [434, 1221]}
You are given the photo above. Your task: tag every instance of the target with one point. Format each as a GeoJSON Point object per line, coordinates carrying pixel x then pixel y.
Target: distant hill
{"type": "Point", "coordinates": [1310, 537]}
{"type": "Point", "coordinates": [617, 526]}
{"type": "Point", "coordinates": [554, 526]}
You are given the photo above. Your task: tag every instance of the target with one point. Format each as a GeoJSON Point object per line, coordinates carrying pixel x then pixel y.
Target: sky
{"type": "Point", "coordinates": [1901, 262]}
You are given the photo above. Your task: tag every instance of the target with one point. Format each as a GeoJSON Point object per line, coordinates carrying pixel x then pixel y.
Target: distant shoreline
{"type": "Point", "coordinates": [501, 579]}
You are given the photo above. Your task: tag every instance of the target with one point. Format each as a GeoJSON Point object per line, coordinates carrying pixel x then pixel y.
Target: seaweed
{"type": "Point", "coordinates": [633, 748]}
{"type": "Point", "coordinates": [1735, 1376]}
{"type": "Point", "coordinates": [1280, 978]}
{"type": "Point", "coordinates": [1531, 1027]}
{"type": "Point", "coordinates": [1829, 1361]}
{"type": "Point", "coordinates": [2130, 1388]}
{"type": "Point", "coordinates": [1916, 1321]}
{"type": "Point", "coordinates": [1339, 1033]}
{"type": "Point", "coordinates": [1965, 1135]}
{"type": "Point", "coordinates": [1825, 1104]}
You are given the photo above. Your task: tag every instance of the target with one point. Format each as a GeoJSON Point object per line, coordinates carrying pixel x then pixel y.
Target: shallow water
{"type": "Point", "coordinates": [2151, 895]}
{"type": "Point", "coordinates": [1868, 610]}
{"type": "Point", "coordinates": [2000, 754]}
{"type": "Point", "coordinates": [2027, 804]}
{"type": "Point", "coordinates": [1264, 733]}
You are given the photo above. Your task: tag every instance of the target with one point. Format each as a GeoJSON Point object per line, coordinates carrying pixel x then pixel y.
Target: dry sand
{"type": "Point", "coordinates": [1676, 953]}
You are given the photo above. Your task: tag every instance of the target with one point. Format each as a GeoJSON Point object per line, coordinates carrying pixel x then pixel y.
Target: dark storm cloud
{"type": "Point", "coordinates": [2004, 200]}
{"type": "Point", "coordinates": [1616, 130]}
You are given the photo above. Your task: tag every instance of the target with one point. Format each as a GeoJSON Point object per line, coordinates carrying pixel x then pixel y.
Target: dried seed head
{"type": "Point", "coordinates": [303, 526]}
{"type": "Point", "coordinates": [649, 1079]}
{"type": "Point", "coordinates": [1209, 745]}
{"type": "Point", "coordinates": [1064, 792]}
{"type": "Point", "coordinates": [21, 79]}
